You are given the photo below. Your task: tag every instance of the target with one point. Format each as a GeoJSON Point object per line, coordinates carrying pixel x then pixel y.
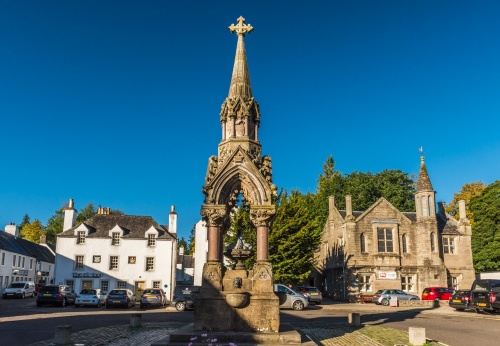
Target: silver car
{"type": "Point", "coordinates": [384, 296]}
{"type": "Point", "coordinates": [92, 297]}
{"type": "Point", "coordinates": [289, 299]}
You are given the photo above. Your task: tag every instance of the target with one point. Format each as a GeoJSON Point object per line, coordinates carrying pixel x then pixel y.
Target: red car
{"type": "Point", "coordinates": [437, 293]}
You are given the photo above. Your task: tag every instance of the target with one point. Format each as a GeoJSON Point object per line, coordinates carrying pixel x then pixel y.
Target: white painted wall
{"type": "Point", "coordinates": [67, 249]}
{"type": "Point", "coordinates": [201, 251]}
{"type": "Point", "coordinates": [8, 267]}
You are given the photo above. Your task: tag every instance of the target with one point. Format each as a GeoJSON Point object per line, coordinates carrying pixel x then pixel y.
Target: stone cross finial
{"type": "Point", "coordinates": [241, 28]}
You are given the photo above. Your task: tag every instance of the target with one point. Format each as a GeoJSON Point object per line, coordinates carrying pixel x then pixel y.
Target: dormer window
{"type": "Point", "coordinates": [80, 237]}
{"type": "Point", "coordinates": [151, 240]}
{"type": "Point", "coordinates": [115, 238]}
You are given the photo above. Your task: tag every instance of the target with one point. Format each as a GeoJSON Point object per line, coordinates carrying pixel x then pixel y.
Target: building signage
{"type": "Point", "coordinates": [87, 275]}
{"type": "Point", "coordinates": [20, 272]}
{"type": "Point", "coordinates": [387, 275]}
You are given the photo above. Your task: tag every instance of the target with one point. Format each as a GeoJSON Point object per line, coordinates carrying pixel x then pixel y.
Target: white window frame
{"type": "Point", "coordinates": [80, 237]}
{"type": "Point", "coordinates": [150, 264]}
{"type": "Point", "coordinates": [408, 282]}
{"type": "Point", "coordinates": [115, 238]}
{"type": "Point", "coordinates": [386, 241]}
{"type": "Point", "coordinates": [121, 284]}
{"type": "Point", "coordinates": [449, 245]}
{"type": "Point", "coordinates": [151, 240]}
{"type": "Point", "coordinates": [79, 262]}
{"type": "Point", "coordinates": [157, 284]}
{"type": "Point", "coordinates": [365, 282]}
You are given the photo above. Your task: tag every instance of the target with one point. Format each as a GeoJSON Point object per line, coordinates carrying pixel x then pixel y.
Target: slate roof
{"type": "Point", "coordinates": [447, 224]}
{"type": "Point", "coordinates": [10, 243]}
{"type": "Point", "coordinates": [423, 182]}
{"type": "Point", "coordinates": [133, 226]}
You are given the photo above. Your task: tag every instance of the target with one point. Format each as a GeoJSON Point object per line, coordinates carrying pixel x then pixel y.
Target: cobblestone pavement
{"type": "Point", "coordinates": [149, 333]}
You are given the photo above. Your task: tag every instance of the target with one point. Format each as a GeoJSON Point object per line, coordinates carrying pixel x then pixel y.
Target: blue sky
{"type": "Point", "coordinates": [117, 102]}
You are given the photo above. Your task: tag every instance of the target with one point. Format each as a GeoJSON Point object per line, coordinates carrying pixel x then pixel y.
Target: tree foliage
{"type": "Point", "coordinates": [32, 231]}
{"type": "Point", "coordinates": [485, 208]}
{"type": "Point", "coordinates": [467, 192]}
{"type": "Point", "coordinates": [241, 225]}
{"type": "Point", "coordinates": [294, 236]}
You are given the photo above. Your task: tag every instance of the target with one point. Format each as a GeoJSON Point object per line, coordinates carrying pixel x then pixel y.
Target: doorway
{"type": "Point", "coordinates": [86, 284]}
{"type": "Point", "coordinates": [140, 286]}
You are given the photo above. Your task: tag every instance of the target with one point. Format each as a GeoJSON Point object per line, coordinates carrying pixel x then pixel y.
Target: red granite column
{"type": "Point", "coordinates": [214, 216]}
{"type": "Point", "coordinates": [213, 243]}
{"type": "Point", "coordinates": [262, 243]}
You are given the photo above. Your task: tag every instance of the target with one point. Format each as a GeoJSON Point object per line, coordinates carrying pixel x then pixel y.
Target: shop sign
{"type": "Point", "coordinates": [87, 275]}
{"type": "Point", "coordinates": [387, 275]}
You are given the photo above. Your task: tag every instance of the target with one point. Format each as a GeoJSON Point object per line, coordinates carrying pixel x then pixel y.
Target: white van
{"type": "Point", "coordinates": [19, 289]}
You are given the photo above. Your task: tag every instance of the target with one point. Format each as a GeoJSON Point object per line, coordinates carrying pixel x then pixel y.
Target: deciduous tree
{"type": "Point", "coordinates": [32, 231]}
{"type": "Point", "coordinates": [467, 192]}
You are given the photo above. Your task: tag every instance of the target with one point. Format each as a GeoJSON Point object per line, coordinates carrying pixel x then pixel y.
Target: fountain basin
{"type": "Point", "coordinates": [237, 300]}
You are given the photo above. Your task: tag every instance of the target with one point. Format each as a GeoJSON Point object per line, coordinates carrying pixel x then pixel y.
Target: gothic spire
{"type": "Point", "coordinates": [240, 81]}
{"type": "Point", "coordinates": [424, 182]}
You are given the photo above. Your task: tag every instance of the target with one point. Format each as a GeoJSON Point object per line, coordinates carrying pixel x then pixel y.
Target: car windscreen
{"type": "Point", "coordinates": [87, 291]}
{"type": "Point", "coordinates": [49, 289]}
{"type": "Point", "coordinates": [118, 292]}
{"type": "Point", "coordinates": [16, 285]}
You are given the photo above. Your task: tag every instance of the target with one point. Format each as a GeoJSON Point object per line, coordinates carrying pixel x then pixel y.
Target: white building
{"type": "Point", "coordinates": [22, 260]}
{"type": "Point", "coordinates": [111, 251]}
{"type": "Point", "coordinates": [200, 250]}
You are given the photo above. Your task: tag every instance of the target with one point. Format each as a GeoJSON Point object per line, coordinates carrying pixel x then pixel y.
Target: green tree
{"type": "Point", "coordinates": [55, 225]}
{"type": "Point", "coordinates": [32, 231]}
{"type": "Point", "coordinates": [86, 213]}
{"type": "Point", "coordinates": [467, 192]}
{"type": "Point", "coordinates": [182, 243]}
{"type": "Point", "coordinates": [24, 222]}
{"type": "Point", "coordinates": [192, 241]}
{"type": "Point", "coordinates": [241, 224]}
{"type": "Point", "coordinates": [294, 236]}
{"type": "Point", "coordinates": [486, 229]}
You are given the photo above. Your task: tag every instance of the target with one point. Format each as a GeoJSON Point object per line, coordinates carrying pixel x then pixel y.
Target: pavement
{"type": "Point", "coordinates": [341, 334]}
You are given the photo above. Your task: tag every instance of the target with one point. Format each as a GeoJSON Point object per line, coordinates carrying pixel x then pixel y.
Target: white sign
{"type": "Point", "coordinates": [387, 275]}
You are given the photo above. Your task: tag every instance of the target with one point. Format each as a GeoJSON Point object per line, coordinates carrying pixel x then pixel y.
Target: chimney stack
{"type": "Point", "coordinates": [348, 206]}
{"type": "Point", "coordinates": [69, 216]}
{"type": "Point", "coordinates": [172, 221]}
{"type": "Point", "coordinates": [461, 209]}
{"type": "Point", "coordinates": [11, 228]}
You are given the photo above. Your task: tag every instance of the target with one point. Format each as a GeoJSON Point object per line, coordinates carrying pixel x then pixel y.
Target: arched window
{"type": "Point", "coordinates": [403, 243]}
{"type": "Point", "coordinates": [362, 242]}
{"type": "Point", "coordinates": [433, 243]}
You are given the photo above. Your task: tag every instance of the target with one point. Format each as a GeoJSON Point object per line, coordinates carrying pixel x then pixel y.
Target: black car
{"type": "Point", "coordinates": [312, 294]}
{"type": "Point", "coordinates": [56, 295]}
{"type": "Point", "coordinates": [486, 295]}
{"type": "Point", "coordinates": [460, 300]}
{"type": "Point", "coordinates": [183, 297]}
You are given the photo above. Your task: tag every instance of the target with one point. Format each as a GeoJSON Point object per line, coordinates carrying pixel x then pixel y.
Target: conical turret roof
{"type": "Point", "coordinates": [423, 183]}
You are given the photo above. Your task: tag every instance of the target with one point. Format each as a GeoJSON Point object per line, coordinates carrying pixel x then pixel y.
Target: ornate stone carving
{"type": "Point", "coordinates": [262, 215]}
{"type": "Point", "coordinates": [266, 168]}
{"type": "Point", "coordinates": [212, 168]}
{"type": "Point", "coordinates": [214, 214]}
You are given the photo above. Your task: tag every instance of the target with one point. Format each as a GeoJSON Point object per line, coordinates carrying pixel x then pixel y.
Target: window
{"type": "Point", "coordinates": [121, 284]}
{"type": "Point", "coordinates": [384, 237]}
{"type": "Point", "coordinates": [96, 259]}
{"type": "Point", "coordinates": [80, 238]}
{"type": "Point", "coordinates": [131, 259]}
{"type": "Point", "coordinates": [156, 284]}
{"type": "Point", "coordinates": [3, 258]}
{"type": "Point", "coordinates": [424, 206]}
{"type": "Point", "coordinates": [403, 244]}
{"type": "Point", "coordinates": [407, 283]}
{"type": "Point", "coordinates": [150, 263]}
{"type": "Point", "coordinates": [453, 282]}
{"type": "Point", "coordinates": [14, 261]}
{"type": "Point", "coordinates": [31, 263]}
{"type": "Point", "coordinates": [71, 284]}
{"type": "Point", "coordinates": [365, 284]}
{"type": "Point", "coordinates": [115, 238]}
{"type": "Point", "coordinates": [151, 240]}
{"type": "Point", "coordinates": [104, 286]}
{"type": "Point", "coordinates": [78, 262]}
{"type": "Point", "coordinates": [433, 243]}
{"type": "Point", "coordinates": [19, 261]}
{"type": "Point", "coordinates": [449, 245]}
{"type": "Point", "coordinates": [23, 261]}
{"type": "Point", "coordinates": [362, 242]}
{"type": "Point", "coordinates": [113, 263]}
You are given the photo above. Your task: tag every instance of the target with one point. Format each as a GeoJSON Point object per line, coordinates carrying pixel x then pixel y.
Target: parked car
{"type": "Point", "coordinates": [461, 300]}
{"type": "Point", "coordinates": [153, 297]}
{"type": "Point", "coordinates": [183, 297]}
{"type": "Point", "coordinates": [485, 294]}
{"type": "Point", "coordinates": [437, 293]}
{"type": "Point", "coordinates": [120, 297]}
{"type": "Point", "coordinates": [384, 296]}
{"type": "Point", "coordinates": [312, 294]}
{"type": "Point", "coordinates": [92, 297]}
{"type": "Point", "coordinates": [19, 289]}
{"type": "Point", "coordinates": [289, 299]}
{"type": "Point", "coordinates": [56, 295]}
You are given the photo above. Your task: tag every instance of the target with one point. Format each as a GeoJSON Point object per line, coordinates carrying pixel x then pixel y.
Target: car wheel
{"type": "Point", "coordinates": [413, 299]}
{"type": "Point", "coordinates": [63, 303]}
{"type": "Point", "coordinates": [23, 296]}
{"type": "Point", "coordinates": [385, 302]}
{"type": "Point", "coordinates": [98, 305]}
{"type": "Point", "coordinates": [180, 306]}
{"type": "Point", "coordinates": [298, 305]}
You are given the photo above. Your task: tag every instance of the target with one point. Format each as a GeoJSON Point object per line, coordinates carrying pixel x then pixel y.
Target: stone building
{"type": "Point", "coordinates": [383, 247]}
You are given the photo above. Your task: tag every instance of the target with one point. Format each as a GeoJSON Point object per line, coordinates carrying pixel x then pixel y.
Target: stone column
{"type": "Point", "coordinates": [261, 216]}
{"type": "Point", "coordinates": [214, 215]}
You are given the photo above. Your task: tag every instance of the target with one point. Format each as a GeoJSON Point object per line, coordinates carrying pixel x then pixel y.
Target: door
{"type": "Point", "coordinates": [139, 287]}
{"type": "Point", "coordinates": [86, 284]}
